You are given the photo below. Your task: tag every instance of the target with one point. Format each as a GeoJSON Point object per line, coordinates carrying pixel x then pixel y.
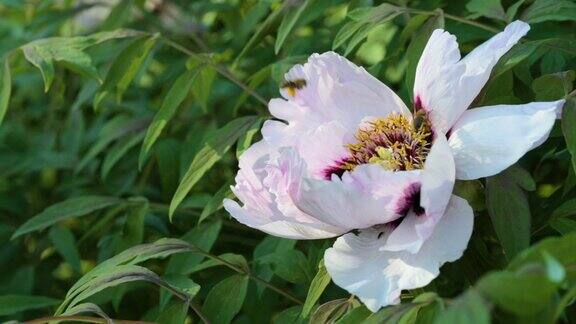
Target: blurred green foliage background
{"type": "Point", "coordinates": [122, 122]}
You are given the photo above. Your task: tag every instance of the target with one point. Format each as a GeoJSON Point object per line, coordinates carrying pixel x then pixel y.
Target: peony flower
{"type": "Point", "coordinates": [347, 158]}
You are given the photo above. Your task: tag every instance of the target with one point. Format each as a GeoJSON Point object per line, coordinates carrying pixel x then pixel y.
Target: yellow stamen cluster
{"type": "Point", "coordinates": [394, 142]}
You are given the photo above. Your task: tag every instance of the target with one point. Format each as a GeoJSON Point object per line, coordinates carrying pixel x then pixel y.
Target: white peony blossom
{"type": "Point", "coordinates": [349, 159]}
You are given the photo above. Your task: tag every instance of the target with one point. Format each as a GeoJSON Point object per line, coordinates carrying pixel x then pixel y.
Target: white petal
{"type": "Point", "coordinates": [336, 89]}
{"type": "Point", "coordinates": [265, 185]}
{"type": "Point", "coordinates": [282, 228]}
{"type": "Point", "coordinates": [487, 140]}
{"type": "Point", "coordinates": [357, 264]}
{"type": "Point", "coordinates": [321, 147]}
{"type": "Point", "coordinates": [367, 196]}
{"type": "Point", "coordinates": [437, 182]}
{"type": "Point", "coordinates": [445, 85]}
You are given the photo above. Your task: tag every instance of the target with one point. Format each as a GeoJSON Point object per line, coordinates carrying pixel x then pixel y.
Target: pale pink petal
{"type": "Point", "coordinates": [274, 226]}
{"type": "Point", "coordinates": [320, 147]}
{"type": "Point", "coordinates": [265, 184]}
{"type": "Point", "coordinates": [336, 90]}
{"type": "Point", "coordinates": [445, 86]}
{"type": "Point", "coordinates": [487, 140]}
{"type": "Point", "coordinates": [367, 196]}
{"type": "Point", "coordinates": [438, 178]}
{"type": "Point", "coordinates": [357, 263]}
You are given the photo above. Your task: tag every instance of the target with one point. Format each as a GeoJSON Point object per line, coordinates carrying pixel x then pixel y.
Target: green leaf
{"type": "Point", "coordinates": [563, 225]}
{"type": "Point", "coordinates": [12, 304]}
{"type": "Point", "coordinates": [133, 230]}
{"type": "Point", "coordinates": [215, 203]}
{"type": "Point", "coordinates": [514, 56]}
{"type": "Point", "coordinates": [468, 308]}
{"type": "Point", "coordinates": [552, 62]}
{"type": "Point", "coordinates": [212, 152]}
{"type": "Point", "coordinates": [553, 86]}
{"type": "Point", "coordinates": [120, 269]}
{"type": "Point", "coordinates": [245, 139]}
{"type": "Point", "coordinates": [65, 244]}
{"type": "Point", "coordinates": [114, 129]}
{"type": "Point", "coordinates": [472, 191]}
{"type": "Point", "coordinates": [114, 276]}
{"type": "Point", "coordinates": [366, 19]}
{"type": "Point", "coordinates": [125, 68]}
{"type": "Point", "coordinates": [549, 10]}
{"type": "Point", "coordinates": [417, 44]}
{"type": "Point", "coordinates": [183, 283]}
{"type": "Point", "coordinates": [288, 22]}
{"type": "Point", "coordinates": [331, 311]}
{"type": "Point", "coordinates": [319, 283]}
{"type": "Point", "coordinates": [360, 35]}
{"type": "Point", "coordinates": [566, 209]}
{"type": "Point", "coordinates": [509, 211]}
{"type": "Point", "coordinates": [509, 291]}
{"type": "Point", "coordinates": [356, 315]}
{"type": "Point", "coordinates": [513, 9]}
{"type": "Point", "coordinates": [202, 85]}
{"type": "Point", "coordinates": [569, 128]}
{"type": "Point", "coordinates": [561, 248]}
{"type": "Point", "coordinates": [290, 265]}
{"type": "Point", "coordinates": [235, 259]}
{"type": "Point", "coordinates": [487, 8]}
{"type": "Point", "coordinates": [225, 300]}
{"type": "Point", "coordinates": [118, 151]}
{"type": "Point", "coordinates": [290, 316]}
{"type": "Point", "coordinates": [262, 30]}
{"type": "Point", "coordinates": [175, 313]}
{"type": "Point", "coordinates": [70, 208]}
{"type": "Point", "coordinates": [5, 87]}
{"type": "Point", "coordinates": [86, 308]}
{"type": "Point", "coordinates": [345, 33]}
{"type": "Point", "coordinates": [69, 51]}
{"type": "Point", "coordinates": [118, 16]}
{"type": "Point", "coordinates": [202, 236]}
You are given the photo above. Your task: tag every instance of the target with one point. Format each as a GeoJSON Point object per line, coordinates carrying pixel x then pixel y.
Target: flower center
{"type": "Point", "coordinates": [394, 142]}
